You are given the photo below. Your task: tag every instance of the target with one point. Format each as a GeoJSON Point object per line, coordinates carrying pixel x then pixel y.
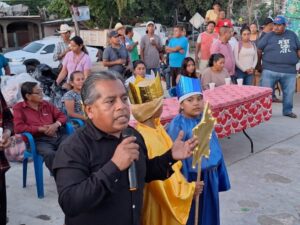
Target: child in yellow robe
{"type": "Point", "coordinates": [165, 202]}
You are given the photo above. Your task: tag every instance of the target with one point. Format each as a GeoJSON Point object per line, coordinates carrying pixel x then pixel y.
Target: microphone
{"type": "Point", "coordinates": [133, 185]}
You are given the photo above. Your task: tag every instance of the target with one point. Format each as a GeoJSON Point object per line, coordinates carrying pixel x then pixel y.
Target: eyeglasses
{"type": "Point", "coordinates": [37, 93]}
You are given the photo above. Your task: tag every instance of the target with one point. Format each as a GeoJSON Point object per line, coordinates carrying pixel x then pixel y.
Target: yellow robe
{"type": "Point", "coordinates": [165, 202]}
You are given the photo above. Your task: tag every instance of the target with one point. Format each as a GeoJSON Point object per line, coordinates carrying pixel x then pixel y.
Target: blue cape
{"type": "Point", "coordinates": [213, 173]}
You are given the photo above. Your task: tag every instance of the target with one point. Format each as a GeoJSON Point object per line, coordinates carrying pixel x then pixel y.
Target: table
{"type": "Point", "coordinates": [236, 108]}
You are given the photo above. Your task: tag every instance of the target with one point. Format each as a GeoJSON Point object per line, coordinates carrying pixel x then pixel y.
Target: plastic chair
{"type": "Point", "coordinates": [31, 152]}
{"type": "Point", "coordinates": [77, 121]}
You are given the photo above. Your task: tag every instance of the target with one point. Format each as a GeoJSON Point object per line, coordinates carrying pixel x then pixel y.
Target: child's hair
{"type": "Point", "coordinates": [181, 109]}
{"type": "Point", "coordinates": [137, 62]}
{"type": "Point", "coordinates": [215, 58]}
{"type": "Point", "coordinates": [184, 66]}
{"type": "Point", "coordinates": [72, 76]}
{"type": "Point", "coordinates": [211, 22]}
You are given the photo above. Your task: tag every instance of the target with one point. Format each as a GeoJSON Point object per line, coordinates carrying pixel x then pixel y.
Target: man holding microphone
{"type": "Point", "coordinates": [91, 167]}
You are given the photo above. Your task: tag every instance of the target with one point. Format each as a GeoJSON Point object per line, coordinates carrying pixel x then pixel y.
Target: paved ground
{"type": "Point", "coordinates": [265, 185]}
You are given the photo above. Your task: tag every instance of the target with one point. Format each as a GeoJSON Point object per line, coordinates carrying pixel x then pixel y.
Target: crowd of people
{"type": "Point", "coordinates": [91, 167]}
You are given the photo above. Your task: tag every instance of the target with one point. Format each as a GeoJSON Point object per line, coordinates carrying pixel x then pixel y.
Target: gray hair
{"type": "Point", "coordinates": [89, 93]}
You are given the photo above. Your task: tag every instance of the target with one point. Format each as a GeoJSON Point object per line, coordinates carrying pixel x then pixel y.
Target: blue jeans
{"type": "Point", "coordinates": [247, 78]}
{"type": "Point", "coordinates": [287, 82]}
{"type": "Point", "coordinates": [166, 73]}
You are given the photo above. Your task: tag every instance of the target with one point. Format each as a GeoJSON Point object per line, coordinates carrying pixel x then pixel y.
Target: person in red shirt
{"type": "Point", "coordinates": [40, 118]}
{"type": "Point", "coordinates": [204, 42]}
{"type": "Point", "coordinates": [222, 21]}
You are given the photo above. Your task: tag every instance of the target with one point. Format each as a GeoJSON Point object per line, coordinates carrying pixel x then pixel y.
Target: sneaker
{"type": "Point", "coordinates": [291, 115]}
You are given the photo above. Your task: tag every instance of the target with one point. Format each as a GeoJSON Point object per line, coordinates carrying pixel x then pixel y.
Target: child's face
{"type": "Point", "coordinates": [190, 68]}
{"type": "Point", "coordinates": [140, 70]}
{"type": "Point", "coordinates": [77, 81]}
{"type": "Point", "coordinates": [192, 106]}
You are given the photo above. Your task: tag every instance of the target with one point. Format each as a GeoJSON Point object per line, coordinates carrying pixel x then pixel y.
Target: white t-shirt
{"type": "Point", "coordinates": [132, 79]}
{"type": "Point", "coordinates": [245, 58]}
{"type": "Point", "coordinates": [233, 42]}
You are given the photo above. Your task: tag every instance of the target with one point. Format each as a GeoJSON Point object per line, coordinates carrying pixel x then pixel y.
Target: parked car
{"type": "Point", "coordinates": [39, 52]}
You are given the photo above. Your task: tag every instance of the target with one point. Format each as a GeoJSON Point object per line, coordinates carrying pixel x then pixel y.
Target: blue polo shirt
{"type": "Point", "coordinates": [3, 63]}
{"type": "Point", "coordinates": [176, 58]}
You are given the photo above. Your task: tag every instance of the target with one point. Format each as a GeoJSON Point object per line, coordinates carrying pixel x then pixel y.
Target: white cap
{"type": "Point", "coordinates": [149, 23]}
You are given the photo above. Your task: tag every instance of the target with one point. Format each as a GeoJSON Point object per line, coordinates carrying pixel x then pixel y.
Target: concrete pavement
{"type": "Point", "coordinates": [265, 186]}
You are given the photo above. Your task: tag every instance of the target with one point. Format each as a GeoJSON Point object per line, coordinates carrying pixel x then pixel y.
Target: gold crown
{"type": "Point", "coordinates": [145, 91]}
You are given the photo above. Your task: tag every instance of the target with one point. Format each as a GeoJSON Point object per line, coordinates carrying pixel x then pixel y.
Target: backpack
{"type": "Point", "coordinates": [15, 152]}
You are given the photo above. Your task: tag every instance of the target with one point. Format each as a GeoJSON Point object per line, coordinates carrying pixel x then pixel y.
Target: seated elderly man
{"type": "Point", "coordinates": [40, 118]}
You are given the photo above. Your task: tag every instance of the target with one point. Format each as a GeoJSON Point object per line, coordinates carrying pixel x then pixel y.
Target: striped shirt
{"type": "Point", "coordinates": [60, 47]}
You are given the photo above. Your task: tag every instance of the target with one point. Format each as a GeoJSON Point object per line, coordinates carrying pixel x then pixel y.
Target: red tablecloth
{"type": "Point", "coordinates": [235, 107]}
{"type": "Point", "coordinates": [239, 107]}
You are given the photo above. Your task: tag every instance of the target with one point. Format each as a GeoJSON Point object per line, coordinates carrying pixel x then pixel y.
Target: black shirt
{"type": "Point", "coordinates": [92, 190]}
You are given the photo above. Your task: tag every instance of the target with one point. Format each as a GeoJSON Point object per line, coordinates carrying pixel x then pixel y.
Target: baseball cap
{"type": "Point", "coordinates": [268, 20]}
{"type": "Point", "coordinates": [225, 23]}
{"type": "Point", "coordinates": [149, 23]}
{"type": "Point", "coordinates": [113, 33]}
{"type": "Point", "coordinates": [279, 20]}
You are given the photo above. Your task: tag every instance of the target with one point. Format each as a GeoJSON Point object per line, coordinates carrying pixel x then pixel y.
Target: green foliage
{"type": "Point", "coordinates": [106, 12]}
{"type": "Point", "coordinates": [263, 12]}
{"type": "Point", "coordinates": [60, 8]}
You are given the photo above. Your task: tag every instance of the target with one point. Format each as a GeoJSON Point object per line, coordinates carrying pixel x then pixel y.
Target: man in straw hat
{"type": "Point", "coordinates": [91, 167]}
{"type": "Point", "coordinates": [121, 31]}
{"type": "Point", "coordinates": [62, 47]}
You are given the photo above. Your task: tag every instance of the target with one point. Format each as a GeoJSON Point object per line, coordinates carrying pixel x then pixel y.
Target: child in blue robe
{"type": "Point", "coordinates": [213, 172]}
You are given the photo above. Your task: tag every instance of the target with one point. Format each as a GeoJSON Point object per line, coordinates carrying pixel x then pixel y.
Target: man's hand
{"type": "Point", "coordinates": [182, 150]}
{"type": "Point", "coordinates": [250, 71]}
{"type": "Point", "coordinates": [5, 142]}
{"type": "Point", "coordinates": [259, 68]}
{"type": "Point", "coordinates": [43, 128]}
{"type": "Point", "coordinates": [120, 61]}
{"type": "Point", "coordinates": [198, 188]}
{"type": "Point", "coordinates": [52, 129]}
{"type": "Point", "coordinates": [181, 51]}
{"type": "Point", "coordinates": [127, 151]}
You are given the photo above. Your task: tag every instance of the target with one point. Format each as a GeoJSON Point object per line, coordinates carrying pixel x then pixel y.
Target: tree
{"type": "Point", "coordinates": [250, 10]}
{"type": "Point", "coordinates": [121, 5]}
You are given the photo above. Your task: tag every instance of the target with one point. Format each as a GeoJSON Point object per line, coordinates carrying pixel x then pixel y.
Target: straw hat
{"type": "Point", "coordinates": [64, 28]}
{"type": "Point", "coordinates": [118, 26]}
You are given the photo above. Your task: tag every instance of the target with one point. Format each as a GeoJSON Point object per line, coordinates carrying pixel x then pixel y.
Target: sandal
{"type": "Point", "coordinates": [291, 115]}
